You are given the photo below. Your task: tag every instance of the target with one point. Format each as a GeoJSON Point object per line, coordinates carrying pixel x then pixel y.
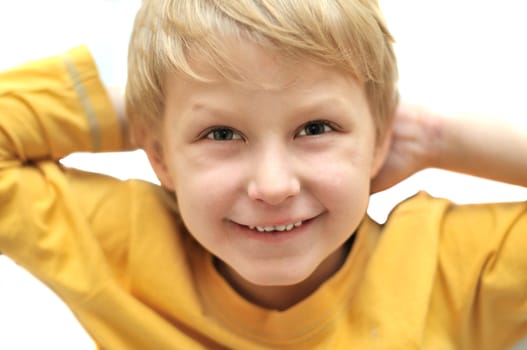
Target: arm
{"type": "Point", "coordinates": [466, 144]}
{"type": "Point", "coordinates": [49, 109]}
{"type": "Point", "coordinates": [53, 107]}
{"type": "Point", "coordinates": [480, 147]}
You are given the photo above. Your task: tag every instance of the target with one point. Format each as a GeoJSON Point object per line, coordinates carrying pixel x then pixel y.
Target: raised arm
{"type": "Point", "coordinates": [478, 146]}
{"type": "Point", "coordinates": [49, 109]}
{"type": "Point", "coordinates": [481, 147]}
{"type": "Point", "coordinates": [53, 107]}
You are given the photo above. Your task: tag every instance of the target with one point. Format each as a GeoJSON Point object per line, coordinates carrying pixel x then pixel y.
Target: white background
{"type": "Point", "coordinates": [454, 56]}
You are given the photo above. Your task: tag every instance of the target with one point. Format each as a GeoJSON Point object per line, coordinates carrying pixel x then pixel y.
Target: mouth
{"type": "Point", "coordinates": [275, 233]}
{"type": "Point", "coordinates": [277, 228]}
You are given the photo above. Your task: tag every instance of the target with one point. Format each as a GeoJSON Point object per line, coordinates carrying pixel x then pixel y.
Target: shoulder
{"type": "Point", "coordinates": [466, 234]}
{"type": "Point", "coordinates": [479, 246]}
{"type": "Point", "coordinates": [481, 265]}
{"type": "Point", "coordinates": [480, 218]}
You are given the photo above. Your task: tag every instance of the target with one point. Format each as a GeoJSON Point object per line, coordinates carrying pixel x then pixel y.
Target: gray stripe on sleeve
{"type": "Point", "coordinates": [86, 104]}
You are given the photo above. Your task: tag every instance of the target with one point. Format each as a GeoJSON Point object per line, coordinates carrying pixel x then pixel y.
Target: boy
{"type": "Point", "coordinates": [268, 121]}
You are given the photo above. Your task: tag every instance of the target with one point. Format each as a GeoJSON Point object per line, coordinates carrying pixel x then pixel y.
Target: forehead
{"type": "Point", "coordinates": [253, 66]}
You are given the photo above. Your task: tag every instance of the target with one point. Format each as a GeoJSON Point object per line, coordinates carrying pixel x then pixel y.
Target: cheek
{"type": "Point", "coordinates": [342, 162]}
{"type": "Point", "coordinates": [341, 182]}
{"type": "Point", "coordinates": [205, 191]}
{"type": "Point", "coordinates": [342, 179]}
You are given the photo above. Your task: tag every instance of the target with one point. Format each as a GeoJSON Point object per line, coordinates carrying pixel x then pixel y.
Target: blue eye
{"type": "Point", "coordinates": [315, 128]}
{"type": "Point", "coordinates": [223, 134]}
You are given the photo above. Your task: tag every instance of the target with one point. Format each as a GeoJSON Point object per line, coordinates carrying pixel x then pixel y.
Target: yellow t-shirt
{"type": "Point", "coordinates": [435, 276]}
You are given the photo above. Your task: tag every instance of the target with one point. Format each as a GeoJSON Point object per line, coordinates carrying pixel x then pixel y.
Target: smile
{"type": "Point", "coordinates": [279, 228]}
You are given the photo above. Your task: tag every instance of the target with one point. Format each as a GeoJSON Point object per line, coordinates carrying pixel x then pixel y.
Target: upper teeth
{"type": "Point", "coordinates": [280, 228]}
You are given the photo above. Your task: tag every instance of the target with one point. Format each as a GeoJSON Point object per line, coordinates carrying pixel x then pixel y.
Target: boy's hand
{"type": "Point", "coordinates": [414, 132]}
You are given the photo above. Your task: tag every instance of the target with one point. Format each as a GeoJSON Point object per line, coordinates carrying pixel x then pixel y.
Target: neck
{"type": "Point", "coordinates": [283, 297]}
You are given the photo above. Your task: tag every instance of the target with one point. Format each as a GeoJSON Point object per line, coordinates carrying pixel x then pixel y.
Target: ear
{"type": "Point", "coordinates": [382, 150]}
{"type": "Point", "coordinates": [153, 147]}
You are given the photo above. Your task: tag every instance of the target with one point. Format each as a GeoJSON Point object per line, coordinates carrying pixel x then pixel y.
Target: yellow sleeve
{"type": "Point", "coordinates": [51, 222]}
{"type": "Point", "coordinates": [483, 264]}
{"type": "Point", "coordinates": [53, 107]}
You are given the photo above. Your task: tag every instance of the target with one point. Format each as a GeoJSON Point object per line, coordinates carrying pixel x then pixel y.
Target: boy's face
{"type": "Point", "coordinates": [292, 152]}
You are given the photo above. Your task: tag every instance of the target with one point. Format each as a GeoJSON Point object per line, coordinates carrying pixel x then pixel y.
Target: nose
{"type": "Point", "coordinates": [274, 178]}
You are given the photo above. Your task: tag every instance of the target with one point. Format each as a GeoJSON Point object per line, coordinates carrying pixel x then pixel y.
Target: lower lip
{"type": "Point", "coordinates": [272, 237]}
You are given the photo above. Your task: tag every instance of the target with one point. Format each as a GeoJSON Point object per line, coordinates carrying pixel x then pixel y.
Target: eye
{"type": "Point", "coordinates": [315, 128]}
{"type": "Point", "coordinates": [223, 134]}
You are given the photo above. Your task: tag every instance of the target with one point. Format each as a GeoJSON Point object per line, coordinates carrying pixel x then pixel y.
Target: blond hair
{"type": "Point", "coordinates": [346, 34]}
